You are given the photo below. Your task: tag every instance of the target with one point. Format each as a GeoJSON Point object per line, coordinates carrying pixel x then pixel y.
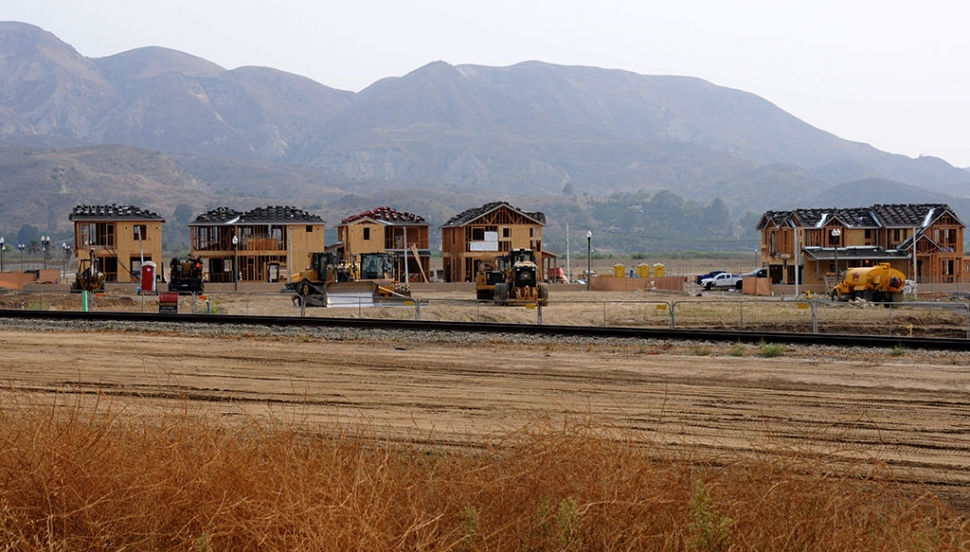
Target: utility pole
{"type": "Point", "coordinates": [569, 275]}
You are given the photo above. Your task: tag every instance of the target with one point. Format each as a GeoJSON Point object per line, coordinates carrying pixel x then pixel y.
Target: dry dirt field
{"type": "Point", "coordinates": [907, 414]}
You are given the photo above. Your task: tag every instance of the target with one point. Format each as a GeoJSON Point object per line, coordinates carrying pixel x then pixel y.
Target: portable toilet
{"type": "Point", "coordinates": [619, 271]}
{"type": "Point", "coordinates": [658, 270]}
{"type": "Point", "coordinates": [643, 270]}
{"type": "Point", "coordinates": [148, 276]}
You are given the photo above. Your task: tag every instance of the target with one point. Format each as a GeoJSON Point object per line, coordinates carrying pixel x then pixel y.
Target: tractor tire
{"type": "Point", "coordinates": [543, 292]}
{"type": "Point", "coordinates": [303, 288]}
{"type": "Point", "coordinates": [501, 294]}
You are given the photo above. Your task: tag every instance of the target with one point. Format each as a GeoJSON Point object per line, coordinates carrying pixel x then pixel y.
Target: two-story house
{"type": "Point", "coordinates": [387, 230]}
{"type": "Point", "coordinates": [821, 243]}
{"type": "Point", "coordinates": [480, 234]}
{"type": "Point", "coordinates": [121, 236]}
{"type": "Point", "coordinates": [265, 244]}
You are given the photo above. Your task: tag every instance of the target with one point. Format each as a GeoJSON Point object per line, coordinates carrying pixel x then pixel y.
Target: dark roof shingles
{"type": "Point", "coordinates": [387, 214]}
{"type": "Point", "coordinates": [276, 213]}
{"type": "Point", "coordinates": [469, 215]}
{"type": "Point", "coordinates": [112, 212]}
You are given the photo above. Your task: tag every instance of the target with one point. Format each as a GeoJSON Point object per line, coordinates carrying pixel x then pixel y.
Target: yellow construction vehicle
{"type": "Point", "coordinates": [880, 283]}
{"type": "Point", "coordinates": [323, 268]}
{"type": "Point", "coordinates": [88, 277]}
{"type": "Point", "coordinates": [379, 269]}
{"type": "Point", "coordinates": [334, 281]}
{"type": "Point", "coordinates": [488, 275]}
{"type": "Point", "coordinates": [512, 279]}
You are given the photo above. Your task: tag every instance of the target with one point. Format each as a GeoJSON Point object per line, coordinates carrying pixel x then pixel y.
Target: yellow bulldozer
{"type": "Point", "coordinates": [331, 281]}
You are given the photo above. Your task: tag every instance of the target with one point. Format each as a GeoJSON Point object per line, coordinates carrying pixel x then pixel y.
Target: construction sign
{"type": "Point", "coordinates": [168, 302]}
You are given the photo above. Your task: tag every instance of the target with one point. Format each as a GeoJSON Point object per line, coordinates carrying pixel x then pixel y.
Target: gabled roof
{"type": "Point", "coordinates": [113, 212]}
{"type": "Point", "coordinates": [387, 215]}
{"type": "Point", "coordinates": [921, 236]}
{"type": "Point", "coordinates": [855, 217]}
{"type": "Point", "coordinates": [906, 215]}
{"type": "Point", "coordinates": [219, 215]}
{"type": "Point", "coordinates": [776, 218]}
{"type": "Point", "coordinates": [470, 215]}
{"type": "Point", "coordinates": [909, 215]}
{"type": "Point", "coordinates": [260, 215]}
{"type": "Point", "coordinates": [279, 213]}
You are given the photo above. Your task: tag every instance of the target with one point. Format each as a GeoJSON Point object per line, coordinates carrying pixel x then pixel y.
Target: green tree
{"type": "Point", "coordinates": [749, 224]}
{"type": "Point", "coordinates": [667, 208]}
{"type": "Point", "coordinates": [717, 217]}
{"type": "Point", "coordinates": [28, 234]}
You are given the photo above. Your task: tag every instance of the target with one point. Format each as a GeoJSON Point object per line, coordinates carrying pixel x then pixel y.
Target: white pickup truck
{"type": "Point", "coordinates": [726, 280]}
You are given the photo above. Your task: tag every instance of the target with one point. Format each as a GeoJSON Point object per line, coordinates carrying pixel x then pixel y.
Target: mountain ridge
{"type": "Point", "coordinates": [532, 129]}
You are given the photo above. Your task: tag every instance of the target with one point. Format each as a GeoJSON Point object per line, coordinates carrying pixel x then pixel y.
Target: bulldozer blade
{"type": "Point", "coordinates": [351, 294]}
{"type": "Point", "coordinates": [351, 287]}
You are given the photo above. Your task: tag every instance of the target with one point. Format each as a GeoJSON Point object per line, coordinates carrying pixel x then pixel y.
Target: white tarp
{"type": "Point", "coordinates": [489, 244]}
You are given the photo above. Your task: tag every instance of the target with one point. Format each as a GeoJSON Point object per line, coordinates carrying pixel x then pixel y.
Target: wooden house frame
{"type": "Point", "coordinates": [271, 243]}
{"type": "Point", "coordinates": [387, 230]}
{"type": "Point", "coordinates": [478, 235]}
{"type": "Point", "coordinates": [122, 238]}
{"type": "Point", "coordinates": [816, 241]}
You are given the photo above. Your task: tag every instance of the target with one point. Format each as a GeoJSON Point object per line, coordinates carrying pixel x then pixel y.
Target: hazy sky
{"type": "Point", "coordinates": [889, 73]}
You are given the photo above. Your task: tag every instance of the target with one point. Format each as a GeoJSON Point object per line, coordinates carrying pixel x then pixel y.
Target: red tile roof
{"type": "Point", "coordinates": [386, 214]}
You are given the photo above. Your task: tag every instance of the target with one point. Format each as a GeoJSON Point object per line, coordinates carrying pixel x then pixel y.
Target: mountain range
{"type": "Point", "coordinates": [160, 128]}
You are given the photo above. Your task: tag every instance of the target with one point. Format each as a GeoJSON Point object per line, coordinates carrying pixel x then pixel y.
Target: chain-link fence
{"type": "Point", "coordinates": [944, 318]}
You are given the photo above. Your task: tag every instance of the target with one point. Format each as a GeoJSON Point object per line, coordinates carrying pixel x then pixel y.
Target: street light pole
{"type": "Point", "coordinates": [836, 239]}
{"type": "Point", "coordinates": [21, 247]}
{"type": "Point", "coordinates": [67, 255]}
{"type": "Point", "coordinates": [589, 251]}
{"type": "Point", "coordinates": [46, 242]}
{"type": "Point", "coordinates": [3, 248]}
{"type": "Point", "coordinates": [235, 263]}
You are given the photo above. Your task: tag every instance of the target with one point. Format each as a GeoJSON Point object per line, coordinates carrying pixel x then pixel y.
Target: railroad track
{"type": "Point", "coordinates": [843, 340]}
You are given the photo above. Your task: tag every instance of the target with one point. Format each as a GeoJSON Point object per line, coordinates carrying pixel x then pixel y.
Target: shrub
{"type": "Point", "coordinates": [769, 350]}
{"type": "Point", "coordinates": [738, 349]}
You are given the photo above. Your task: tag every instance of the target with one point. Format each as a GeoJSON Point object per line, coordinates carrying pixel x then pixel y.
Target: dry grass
{"type": "Point", "coordinates": [103, 477]}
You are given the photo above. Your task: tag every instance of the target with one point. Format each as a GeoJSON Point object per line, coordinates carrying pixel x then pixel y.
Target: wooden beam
{"type": "Point", "coordinates": [417, 257]}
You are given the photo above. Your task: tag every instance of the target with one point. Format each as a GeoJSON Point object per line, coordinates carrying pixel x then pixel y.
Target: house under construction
{"type": "Point", "coordinates": [266, 244]}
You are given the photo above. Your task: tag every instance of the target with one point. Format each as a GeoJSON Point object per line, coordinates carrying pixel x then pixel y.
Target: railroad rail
{"type": "Point", "coordinates": [839, 340]}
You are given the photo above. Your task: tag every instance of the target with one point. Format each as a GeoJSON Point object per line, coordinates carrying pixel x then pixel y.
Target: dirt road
{"type": "Point", "coordinates": [908, 414]}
